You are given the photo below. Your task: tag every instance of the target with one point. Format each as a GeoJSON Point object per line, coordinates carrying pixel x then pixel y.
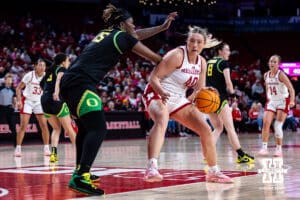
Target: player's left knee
{"type": "Point", "coordinates": [278, 129]}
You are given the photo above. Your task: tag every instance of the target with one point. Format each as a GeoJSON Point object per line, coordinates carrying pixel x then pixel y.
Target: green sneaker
{"type": "Point", "coordinates": [53, 157]}
{"type": "Point", "coordinates": [245, 159]}
{"type": "Point", "coordinates": [93, 177]}
{"type": "Point", "coordinates": [84, 184]}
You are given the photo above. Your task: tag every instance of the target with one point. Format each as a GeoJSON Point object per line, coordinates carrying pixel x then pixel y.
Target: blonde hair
{"type": "Point", "coordinates": [208, 38]}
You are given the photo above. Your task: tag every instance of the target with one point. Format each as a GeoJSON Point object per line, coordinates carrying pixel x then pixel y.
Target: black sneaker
{"type": "Point", "coordinates": [95, 178]}
{"type": "Point", "coordinates": [84, 184]}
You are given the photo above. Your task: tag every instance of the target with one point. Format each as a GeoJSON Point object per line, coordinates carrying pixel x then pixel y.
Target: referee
{"type": "Point", "coordinates": [7, 102]}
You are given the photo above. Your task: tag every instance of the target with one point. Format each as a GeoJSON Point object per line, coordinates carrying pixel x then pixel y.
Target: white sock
{"type": "Point", "coordinates": [278, 147]}
{"type": "Point", "coordinates": [152, 162]}
{"type": "Point", "coordinates": [18, 147]}
{"type": "Point", "coordinates": [46, 146]}
{"type": "Point", "coordinates": [213, 169]}
{"type": "Point", "coordinates": [265, 145]}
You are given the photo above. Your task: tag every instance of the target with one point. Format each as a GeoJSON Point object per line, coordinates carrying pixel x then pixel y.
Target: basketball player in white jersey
{"type": "Point", "coordinates": [30, 102]}
{"type": "Point", "coordinates": [280, 98]}
{"type": "Point", "coordinates": [165, 96]}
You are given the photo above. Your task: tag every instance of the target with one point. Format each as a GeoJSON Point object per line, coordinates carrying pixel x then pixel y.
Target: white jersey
{"type": "Point", "coordinates": [276, 90]}
{"type": "Point", "coordinates": [32, 91]}
{"type": "Point", "coordinates": [184, 77]}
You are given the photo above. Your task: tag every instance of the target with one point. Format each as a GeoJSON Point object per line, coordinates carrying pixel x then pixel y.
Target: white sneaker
{"type": "Point", "coordinates": [18, 152]}
{"type": "Point", "coordinates": [277, 153]}
{"type": "Point", "coordinates": [152, 175]}
{"type": "Point", "coordinates": [263, 152]}
{"type": "Point", "coordinates": [47, 152]}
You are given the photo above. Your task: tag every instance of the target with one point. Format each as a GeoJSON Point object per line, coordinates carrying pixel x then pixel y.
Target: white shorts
{"type": "Point", "coordinates": [30, 107]}
{"type": "Point", "coordinates": [281, 104]}
{"type": "Point", "coordinates": [175, 102]}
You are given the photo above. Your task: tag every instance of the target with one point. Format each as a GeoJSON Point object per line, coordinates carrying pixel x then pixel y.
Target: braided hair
{"type": "Point", "coordinates": [113, 16]}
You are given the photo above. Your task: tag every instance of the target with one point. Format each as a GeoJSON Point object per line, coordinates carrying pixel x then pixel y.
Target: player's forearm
{"type": "Point", "coordinates": [148, 32]}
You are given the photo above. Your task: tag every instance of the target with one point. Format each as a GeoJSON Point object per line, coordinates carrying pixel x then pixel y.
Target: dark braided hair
{"type": "Point", "coordinates": [113, 16]}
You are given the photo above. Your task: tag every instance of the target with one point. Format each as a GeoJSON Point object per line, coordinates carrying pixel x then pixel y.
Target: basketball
{"type": "Point", "coordinates": [207, 101]}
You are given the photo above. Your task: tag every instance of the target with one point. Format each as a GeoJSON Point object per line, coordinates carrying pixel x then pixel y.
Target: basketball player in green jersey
{"type": "Point", "coordinates": [218, 76]}
{"type": "Point", "coordinates": [79, 91]}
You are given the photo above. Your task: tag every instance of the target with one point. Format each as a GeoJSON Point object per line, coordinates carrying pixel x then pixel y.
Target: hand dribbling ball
{"type": "Point", "coordinates": [207, 101]}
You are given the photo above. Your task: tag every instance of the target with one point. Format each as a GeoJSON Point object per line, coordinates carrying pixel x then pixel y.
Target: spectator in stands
{"type": "Point", "coordinates": [257, 91]}
{"type": "Point", "coordinates": [165, 96]}
{"type": "Point", "coordinates": [78, 85]}
{"type": "Point", "coordinates": [237, 117]}
{"type": "Point", "coordinates": [218, 76]}
{"type": "Point", "coordinates": [281, 97]}
{"type": "Point", "coordinates": [255, 115]}
{"type": "Point", "coordinates": [8, 104]}
{"type": "Point", "coordinates": [290, 122]}
{"type": "Point", "coordinates": [296, 113]}
{"type": "Point", "coordinates": [30, 102]}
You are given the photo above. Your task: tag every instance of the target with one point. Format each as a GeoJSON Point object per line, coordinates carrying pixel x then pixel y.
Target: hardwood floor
{"type": "Point", "coordinates": [121, 165]}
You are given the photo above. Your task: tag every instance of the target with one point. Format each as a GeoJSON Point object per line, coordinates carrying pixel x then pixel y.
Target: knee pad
{"type": "Point", "coordinates": [278, 129]}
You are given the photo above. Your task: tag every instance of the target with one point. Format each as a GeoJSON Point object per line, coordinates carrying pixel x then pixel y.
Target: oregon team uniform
{"type": "Point", "coordinates": [50, 106]}
{"type": "Point", "coordinates": [78, 85]}
{"type": "Point", "coordinates": [215, 78]}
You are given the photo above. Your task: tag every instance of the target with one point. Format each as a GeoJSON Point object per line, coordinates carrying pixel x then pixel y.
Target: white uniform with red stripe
{"type": "Point", "coordinates": [32, 94]}
{"type": "Point", "coordinates": [176, 84]}
{"type": "Point", "coordinates": [277, 93]}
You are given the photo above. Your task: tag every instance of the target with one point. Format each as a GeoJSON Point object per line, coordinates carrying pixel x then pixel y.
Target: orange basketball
{"type": "Point", "coordinates": [207, 101]}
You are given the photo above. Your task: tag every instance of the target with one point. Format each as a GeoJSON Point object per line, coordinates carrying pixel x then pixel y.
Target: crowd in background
{"type": "Point", "coordinates": [22, 44]}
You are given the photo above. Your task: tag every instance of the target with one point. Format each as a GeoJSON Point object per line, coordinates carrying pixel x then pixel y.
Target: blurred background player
{"type": "Point", "coordinates": [280, 98]}
{"type": "Point", "coordinates": [29, 102]}
{"type": "Point", "coordinates": [218, 76]}
{"type": "Point", "coordinates": [55, 110]}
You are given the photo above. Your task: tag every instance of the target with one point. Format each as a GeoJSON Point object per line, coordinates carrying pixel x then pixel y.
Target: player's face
{"type": "Point", "coordinates": [195, 43]}
{"type": "Point", "coordinates": [66, 63]}
{"type": "Point", "coordinates": [128, 26]}
{"type": "Point", "coordinates": [274, 62]}
{"type": "Point", "coordinates": [40, 67]}
{"type": "Point", "coordinates": [225, 52]}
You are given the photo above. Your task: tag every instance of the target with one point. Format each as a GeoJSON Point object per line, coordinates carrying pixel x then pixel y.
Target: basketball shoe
{"type": "Point", "coordinates": [152, 174]}
{"type": "Point", "coordinates": [18, 152]}
{"type": "Point", "coordinates": [218, 177]}
{"type": "Point", "coordinates": [53, 157]}
{"type": "Point", "coordinates": [93, 177]}
{"type": "Point", "coordinates": [263, 152]}
{"type": "Point", "coordinates": [246, 158]}
{"type": "Point", "coordinates": [277, 153]}
{"type": "Point", "coordinates": [47, 151]}
{"type": "Point", "coordinates": [84, 184]}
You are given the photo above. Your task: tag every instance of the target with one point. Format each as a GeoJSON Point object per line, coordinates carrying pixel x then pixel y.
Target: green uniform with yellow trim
{"type": "Point", "coordinates": [78, 85]}
{"type": "Point", "coordinates": [215, 78]}
{"type": "Point", "coordinates": [49, 105]}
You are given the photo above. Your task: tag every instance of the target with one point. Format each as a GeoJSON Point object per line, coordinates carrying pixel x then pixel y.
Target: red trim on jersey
{"type": "Point", "coordinates": [184, 105]}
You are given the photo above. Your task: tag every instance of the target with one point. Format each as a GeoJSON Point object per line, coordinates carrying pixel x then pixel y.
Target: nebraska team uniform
{"type": "Point", "coordinates": [176, 84]}
{"type": "Point", "coordinates": [277, 93]}
{"type": "Point", "coordinates": [32, 94]}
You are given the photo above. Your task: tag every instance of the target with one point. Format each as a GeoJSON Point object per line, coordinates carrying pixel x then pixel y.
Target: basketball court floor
{"type": "Point", "coordinates": [121, 165]}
